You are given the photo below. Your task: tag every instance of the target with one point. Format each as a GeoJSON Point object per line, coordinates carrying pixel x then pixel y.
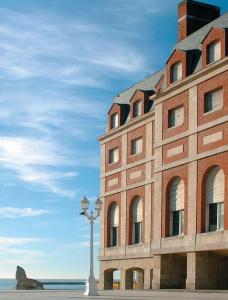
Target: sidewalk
{"type": "Point", "coordinates": [113, 295]}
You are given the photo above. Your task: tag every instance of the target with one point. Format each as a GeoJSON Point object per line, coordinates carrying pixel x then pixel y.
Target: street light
{"type": "Point", "coordinates": [91, 285]}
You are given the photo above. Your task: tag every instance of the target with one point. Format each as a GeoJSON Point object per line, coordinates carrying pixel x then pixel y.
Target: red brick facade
{"type": "Point", "coordinates": [183, 143]}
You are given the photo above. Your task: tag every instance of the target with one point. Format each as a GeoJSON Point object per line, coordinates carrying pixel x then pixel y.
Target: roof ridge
{"type": "Point", "coordinates": [147, 77]}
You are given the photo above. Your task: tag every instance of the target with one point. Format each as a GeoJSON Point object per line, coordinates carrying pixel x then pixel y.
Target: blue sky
{"type": "Point", "coordinates": [61, 63]}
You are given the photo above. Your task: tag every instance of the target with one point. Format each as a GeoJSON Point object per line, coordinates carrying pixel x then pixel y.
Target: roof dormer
{"type": "Point", "coordinates": [214, 46]}
{"type": "Point", "coordinates": [117, 115]}
{"type": "Point", "coordinates": [140, 103]}
{"type": "Point", "coordinates": [176, 66]}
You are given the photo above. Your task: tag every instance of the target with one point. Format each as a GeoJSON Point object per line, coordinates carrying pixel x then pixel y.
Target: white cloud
{"type": "Point", "coordinates": [14, 212]}
{"type": "Point", "coordinates": [16, 241]}
{"type": "Point", "coordinates": [35, 161]}
{"type": "Point", "coordinates": [80, 245]}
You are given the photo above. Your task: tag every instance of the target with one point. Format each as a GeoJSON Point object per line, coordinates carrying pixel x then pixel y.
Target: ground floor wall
{"type": "Point", "coordinates": [193, 270]}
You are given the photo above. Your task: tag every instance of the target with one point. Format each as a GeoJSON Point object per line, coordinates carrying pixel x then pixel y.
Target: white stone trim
{"type": "Point", "coordinates": [174, 151]}
{"type": "Point", "coordinates": [211, 138]}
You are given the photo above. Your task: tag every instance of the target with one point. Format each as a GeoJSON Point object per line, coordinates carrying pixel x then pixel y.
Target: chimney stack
{"type": "Point", "coordinates": [192, 15]}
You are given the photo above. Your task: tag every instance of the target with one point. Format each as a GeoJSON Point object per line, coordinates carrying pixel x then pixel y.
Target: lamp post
{"type": "Point", "coordinates": [91, 285]}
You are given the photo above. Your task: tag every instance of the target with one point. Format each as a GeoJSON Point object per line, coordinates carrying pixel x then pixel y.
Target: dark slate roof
{"type": "Point", "coordinates": [191, 43]}
{"type": "Point", "coordinates": [147, 84]}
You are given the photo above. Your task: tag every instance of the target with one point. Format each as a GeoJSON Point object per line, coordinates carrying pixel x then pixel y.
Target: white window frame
{"type": "Point", "coordinates": [115, 156]}
{"type": "Point", "coordinates": [114, 120]}
{"type": "Point", "coordinates": [212, 47]}
{"type": "Point", "coordinates": [136, 149]}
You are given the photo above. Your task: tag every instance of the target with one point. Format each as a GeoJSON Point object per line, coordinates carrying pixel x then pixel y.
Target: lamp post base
{"type": "Point", "coordinates": [91, 287]}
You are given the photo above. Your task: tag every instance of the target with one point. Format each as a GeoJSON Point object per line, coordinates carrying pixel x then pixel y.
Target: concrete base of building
{"type": "Point", "coordinates": [207, 270]}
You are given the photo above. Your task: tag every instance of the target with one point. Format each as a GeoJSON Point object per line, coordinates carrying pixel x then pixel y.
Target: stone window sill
{"type": "Point", "coordinates": [176, 237]}
{"type": "Point", "coordinates": [135, 245]}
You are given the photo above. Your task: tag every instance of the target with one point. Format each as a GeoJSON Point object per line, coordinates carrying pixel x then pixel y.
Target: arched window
{"type": "Point", "coordinates": [176, 207]}
{"type": "Point", "coordinates": [213, 52]}
{"type": "Point", "coordinates": [137, 218]}
{"type": "Point", "coordinates": [215, 199]}
{"type": "Point", "coordinates": [114, 225]}
{"type": "Point", "coordinates": [176, 72]}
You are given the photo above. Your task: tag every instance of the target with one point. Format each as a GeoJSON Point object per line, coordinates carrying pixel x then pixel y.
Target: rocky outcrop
{"type": "Point", "coordinates": [24, 283]}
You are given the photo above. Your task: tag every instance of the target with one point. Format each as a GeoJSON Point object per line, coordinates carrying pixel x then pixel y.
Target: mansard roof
{"type": "Point", "coordinates": [191, 44]}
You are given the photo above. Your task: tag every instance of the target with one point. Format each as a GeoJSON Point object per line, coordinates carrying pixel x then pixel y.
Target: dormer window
{"type": "Point", "coordinates": [213, 52]}
{"type": "Point", "coordinates": [176, 72]}
{"type": "Point", "coordinates": [137, 109]}
{"type": "Point", "coordinates": [114, 121]}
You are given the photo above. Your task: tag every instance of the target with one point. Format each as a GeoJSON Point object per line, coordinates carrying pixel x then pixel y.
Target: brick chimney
{"type": "Point", "coordinates": [192, 15]}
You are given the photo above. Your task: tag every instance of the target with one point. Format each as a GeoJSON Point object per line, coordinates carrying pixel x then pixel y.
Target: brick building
{"type": "Point", "coordinates": [164, 166]}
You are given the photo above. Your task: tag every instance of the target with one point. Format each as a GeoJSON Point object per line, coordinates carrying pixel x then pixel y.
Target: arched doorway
{"type": "Point", "coordinates": [134, 278]}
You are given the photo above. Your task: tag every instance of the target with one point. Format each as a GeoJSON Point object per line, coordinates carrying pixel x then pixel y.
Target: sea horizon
{"type": "Point", "coordinates": [51, 284]}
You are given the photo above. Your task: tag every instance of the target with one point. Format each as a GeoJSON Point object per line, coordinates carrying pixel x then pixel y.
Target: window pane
{"type": "Point", "coordinates": [220, 215]}
{"type": "Point", "coordinates": [179, 116]}
{"type": "Point", "coordinates": [217, 99]}
{"type": "Point", "coordinates": [114, 236]}
{"type": "Point", "coordinates": [176, 72]}
{"type": "Point", "coordinates": [176, 224]}
{"type": "Point", "coordinates": [136, 146]}
{"type": "Point", "coordinates": [208, 102]}
{"type": "Point", "coordinates": [176, 116]}
{"type": "Point", "coordinates": [217, 50]}
{"type": "Point", "coordinates": [137, 232]}
{"type": "Point", "coordinates": [137, 109]}
{"type": "Point", "coordinates": [214, 52]}
{"type": "Point", "coordinates": [213, 100]}
{"type": "Point", "coordinates": [181, 222]}
{"type": "Point", "coordinates": [213, 217]}
{"type": "Point", "coordinates": [171, 118]}
{"type": "Point", "coordinates": [113, 155]}
{"type": "Point", "coordinates": [114, 121]}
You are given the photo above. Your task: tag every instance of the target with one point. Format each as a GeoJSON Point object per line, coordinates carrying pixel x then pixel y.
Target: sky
{"type": "Point", "coordinates": [61, 64]}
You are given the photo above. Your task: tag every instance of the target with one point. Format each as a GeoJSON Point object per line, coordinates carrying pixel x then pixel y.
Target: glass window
{"type": "Point", "coordinates": [216, 216]}
{"type": "Point", "coordinates": [113, 155]}
{"type": "Point", "coordinates": [177, 222]}
{"type": "Point", "coordinates": [136, 146]}
{"type": "Point", "coordinates": [137, 109]}
{"type": "Point", "coordinates": [176, 117]}
{"type": "Point", "coordinates": [213, 217]}
{"type": "Point", "coordinates": [114, 236]}
{"type": "Point", "coordinates": [215, 193]}
{"type": "Point", "coordinates": [114, 121]}
{"type": "Point", "coordinates": [213, 52]}
{"type": "Point", "coordinates": [137, 218]}
{"type": "Point", "coordinates": [213, 100]}
{"type": "Point", "coordinates": [176, 72]}
{"type": "Point", "coordinates": [137, 233]}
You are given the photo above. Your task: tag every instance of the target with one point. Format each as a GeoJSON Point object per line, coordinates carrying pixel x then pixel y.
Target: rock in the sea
{"type": "Point", "coordinates": [24, 283]}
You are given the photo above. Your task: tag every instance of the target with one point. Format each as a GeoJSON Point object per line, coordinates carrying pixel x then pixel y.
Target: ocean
{"type": "Point", "coordinates": [49, 284]}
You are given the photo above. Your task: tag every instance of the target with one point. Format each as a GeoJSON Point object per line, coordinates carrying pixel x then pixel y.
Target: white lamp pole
{"type": "Point", "coordinates": [91, 284]}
